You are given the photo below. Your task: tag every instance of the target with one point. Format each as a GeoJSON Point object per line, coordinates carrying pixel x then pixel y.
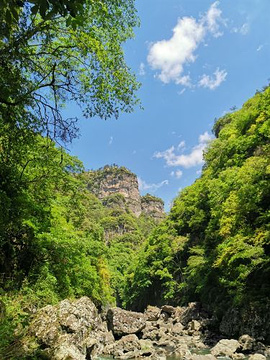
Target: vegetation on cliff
{"type": "Point", "coordinates": [214, 245]}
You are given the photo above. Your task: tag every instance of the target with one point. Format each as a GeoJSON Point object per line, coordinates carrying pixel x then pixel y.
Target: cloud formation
{"type": "Point", "coordinates": [194, 158]}
{"type": "Point", "coordinates": [111, 140]}
{"type": "Point", "coordinates": [212, 82]}
{"type": "Point", "coordinates": [151, 187]}
{"type": "Point", "coordinates": [178, 174]}
{"type": "Point", "coordinates": [243, 30]}
{"type": "Point", "coordinates": [142, 71]}
{"type": "Point", "coordinates": [169, 56]}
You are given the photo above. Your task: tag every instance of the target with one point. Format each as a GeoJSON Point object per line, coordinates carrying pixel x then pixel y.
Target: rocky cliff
{"type": "Point", "coordinates": [118, 187]}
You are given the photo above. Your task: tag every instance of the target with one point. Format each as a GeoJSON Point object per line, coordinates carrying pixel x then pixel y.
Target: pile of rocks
{"type": "Point", "coordinates": [77, 331]}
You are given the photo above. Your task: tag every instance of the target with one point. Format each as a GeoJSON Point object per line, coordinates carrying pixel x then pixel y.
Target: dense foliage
{"type": "Point", "coordinates": [59, 240]}
{"type": "Point", "coordinates": [53, 53]}
{"type": "Point", "coordinates": [215, 244]}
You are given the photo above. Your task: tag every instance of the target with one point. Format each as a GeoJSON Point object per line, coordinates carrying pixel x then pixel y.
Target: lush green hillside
{"type": "Point", "coordinates": [57, 239]}
{"type": "Point", "coordinates": [215, 244]}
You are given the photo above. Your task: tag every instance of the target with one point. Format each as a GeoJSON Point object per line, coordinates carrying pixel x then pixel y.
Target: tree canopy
{"type": "Point", "coordinates": [54, 53]}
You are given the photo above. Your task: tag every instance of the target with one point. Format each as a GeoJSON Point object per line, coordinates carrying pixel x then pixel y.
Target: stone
{"type": "Point", "coordinates": [238, 356]}
{"type": "Point", "coordinates": [70, 330]}
{"type": "Point", "coordinates": [202, 357]}
{"type": "Point", "coordinates": [122, 322]}
{"type": "Point", "coordinates": [257, 357]}
{"type": "Point", "coordinates": [194, 325]}
{"type": "Point", "coordinates": [67, 352]}
{"type": "Point", "coordinates": [182, 351]}
{"type": "Point", "coordinates": [177, 329]}
{"type": "Point", "coordinates": [146, 347]}
{"type": "Point", "coordinates": [168, 309]}
{"type": "Point", "coordinates": [225, 347]}
{"type": "Point", "coordinates": [152, 313]}
{"type": "Point", "coordinates": [127, 343]}
{"type": "Point", "coordinates": [247, 343]}
{"type": "Point", "coordinates": [192, 312]}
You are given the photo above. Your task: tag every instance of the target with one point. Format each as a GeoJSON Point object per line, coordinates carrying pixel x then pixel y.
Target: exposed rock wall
{"type": "Point", "coordinates": [117, 186]}
{"type": "Point", "coordinates": [152, 206]}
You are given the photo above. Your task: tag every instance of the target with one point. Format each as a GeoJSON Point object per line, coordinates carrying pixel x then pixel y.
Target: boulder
{"type": "Point", "coordinates": [168, 309]}
{"type": "Point", "coordinates": [67, 352]}
{"type": "Point", "coordinates": [257, 357]}
{"type": "Point", "coordinates": [238, 356]}
{"type": "Point", "coordinates": [225, 347]}
{"type": "Point", "coordinates": [123, 322]}
{"type": "Point", "coordinates": [152, 313]}
{"type": "Point", "coordinates": [193, 311]}
{"type": "Point", "coordinates": [70, 330]}
{"type": "Point", "coordinates": [247, 343]}
{"type": "Point", "coordinates": [202, 357]}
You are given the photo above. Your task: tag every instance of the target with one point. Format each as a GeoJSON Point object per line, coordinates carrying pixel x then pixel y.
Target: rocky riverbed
{"type": "Point", "coordinates": [76, 330]}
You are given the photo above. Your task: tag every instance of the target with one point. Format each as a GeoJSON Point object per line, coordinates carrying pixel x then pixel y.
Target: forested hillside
{"type": "Point", "coordinates": [214, 246]}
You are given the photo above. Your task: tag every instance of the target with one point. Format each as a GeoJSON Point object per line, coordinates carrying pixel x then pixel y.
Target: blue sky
{"type": "Point", "coordinates": [196, 59]}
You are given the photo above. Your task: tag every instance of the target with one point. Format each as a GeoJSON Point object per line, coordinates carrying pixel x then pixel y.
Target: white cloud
{"type": "Point", "coordinates": [259, 48]}
{"type": "Point", "coordinates": [169, 56]}
{"type": "Point", "coordinates": [142, 71]}
{"type": "Point", "coordinates": [181, 145]}
{"type": "Point", "coordinates": [178, 174]}
{"type": "Point", "coordinates": [214, 19]}
{"type": "Point", "coordinates": [194, 158]}
{"type": "Point", "coordinates": [111, 140]}
{"type": "Point", "coordinates": [205, 138]}
{"type": "Point", "coordinates": [181, 92]}
{"type": "Point", "coordinates": [243, 30]}
{"type": "Point", "coordinates": [212, 82]}
{"type": "Point", "coordinates": [152, 187]}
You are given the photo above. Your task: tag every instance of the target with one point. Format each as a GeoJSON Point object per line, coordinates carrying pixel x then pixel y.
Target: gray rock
{"type": "Point", "coordinates": [67, 352]}
{"type": "Point", "coordinates": [251, 319]}
{"type": "Point", "coordinates": [257, 357]}
{"type": "Point", "coordinates": [238, 356]}
{"type": "Point", "coordinates": [177, 329]}
{"type": "Point", "coordinates": [123, 322]}
{"type": "Point", "coordinates": [247, 343]}
{"type": "Point", "coordinates": [202, 357]}
{"type": "Point", "coordinates": [152, 313]}
{"type": "Point", "coordinates": [168, 309]}
{"type": "Point", "coordinates": [192, 312]}
{"type": "Point", "coordinates": [70, 330]}
{"type": "Point", "coordinates": [225, 347]}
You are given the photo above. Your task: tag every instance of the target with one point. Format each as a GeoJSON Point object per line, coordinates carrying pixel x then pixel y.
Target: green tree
{"type": "Point", "coordinates": [53, 53]}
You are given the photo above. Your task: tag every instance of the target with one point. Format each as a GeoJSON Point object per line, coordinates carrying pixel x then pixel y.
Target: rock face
{"type": "Point", "coordinates": [152, 206]}
{"type": "Point", "coordinates": [247, 320]}
{"type": "Point", "coordinates": [75, 330]}
{"type": "Point", "coordinates": [118, 187]}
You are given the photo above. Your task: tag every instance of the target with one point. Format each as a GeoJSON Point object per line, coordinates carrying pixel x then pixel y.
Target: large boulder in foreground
{"type": "Point", "coordinates": [71, 330]}
{"type": "Point", "coordinates": [122, 322]}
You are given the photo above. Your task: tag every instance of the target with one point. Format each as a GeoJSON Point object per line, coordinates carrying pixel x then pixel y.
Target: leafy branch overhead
{"type": "Point", "coordinates": [54, 53]}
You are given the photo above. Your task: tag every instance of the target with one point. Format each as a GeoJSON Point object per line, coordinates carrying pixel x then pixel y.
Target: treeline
{"type": "Point", "coordinates": [214, 246]}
